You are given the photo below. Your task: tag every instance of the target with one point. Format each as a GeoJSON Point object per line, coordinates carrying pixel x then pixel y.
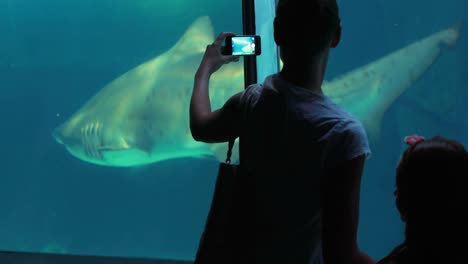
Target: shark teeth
{"type": "Point", "coordinates": [91, 138]}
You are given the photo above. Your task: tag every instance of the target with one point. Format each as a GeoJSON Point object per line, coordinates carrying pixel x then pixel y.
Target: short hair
{"type": "Point", "coordinates": [307, 23]}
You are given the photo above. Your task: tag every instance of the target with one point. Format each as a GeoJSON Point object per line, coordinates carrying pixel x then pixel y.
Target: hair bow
{"type": "Point", "coordinates": [413, 139]}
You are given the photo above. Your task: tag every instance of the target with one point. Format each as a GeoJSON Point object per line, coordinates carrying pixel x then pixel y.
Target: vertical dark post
{"type": "Point", "coordinates": [248, 21]}
{"type": "Point", "coordinates": [250, 77]}
{"type": "Point", "coordinates": [250, 62]}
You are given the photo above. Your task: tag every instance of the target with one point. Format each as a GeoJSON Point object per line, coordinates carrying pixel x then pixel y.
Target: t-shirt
{"type": "Point", "coordinates": [397, 256]}
{"type": "Point", "coordinates": [288, 141]}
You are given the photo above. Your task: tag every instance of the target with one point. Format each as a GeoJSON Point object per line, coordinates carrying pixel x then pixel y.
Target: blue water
{"type": "Point", "coordinates": [55, 54]}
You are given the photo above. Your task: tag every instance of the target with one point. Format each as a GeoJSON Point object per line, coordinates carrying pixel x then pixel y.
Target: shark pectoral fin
{"type": "Point", "coordinates": [196, 38]}
{"type": "Point", "coordinates": [125, 152]}
{"type": "Point", "coordinates": [140, 145]}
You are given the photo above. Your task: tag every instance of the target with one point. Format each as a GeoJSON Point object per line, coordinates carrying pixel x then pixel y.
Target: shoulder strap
{"type": "Point", "coordinates": [229, 152]}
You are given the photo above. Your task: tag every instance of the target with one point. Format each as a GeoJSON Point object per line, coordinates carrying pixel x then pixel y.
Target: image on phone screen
{"type": "Point", "coordinates": [243, 45]}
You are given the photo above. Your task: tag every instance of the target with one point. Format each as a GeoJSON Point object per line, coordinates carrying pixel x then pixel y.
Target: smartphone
{"type": "Point", "coordinates": [244, 45]}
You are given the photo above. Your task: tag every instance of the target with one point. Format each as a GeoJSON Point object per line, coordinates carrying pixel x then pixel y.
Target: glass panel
{"type": "Point", "coordinates": [54, 56]}
{"type": "Point", "coordinates": [268, 61]}
{"type": "Point", "coordinates": [422, 91]}
{"type": "Point", "coordinates": [430, 105]}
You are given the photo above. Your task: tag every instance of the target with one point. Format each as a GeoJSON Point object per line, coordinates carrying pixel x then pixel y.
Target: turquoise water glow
{"type": "Point", "coordinates": [55, 55]}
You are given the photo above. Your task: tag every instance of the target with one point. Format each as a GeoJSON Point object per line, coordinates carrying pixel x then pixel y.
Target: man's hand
{"type": "Point", "coordinates": [213, 58]}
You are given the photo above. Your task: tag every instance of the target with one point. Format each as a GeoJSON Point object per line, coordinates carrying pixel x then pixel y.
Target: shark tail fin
{"type": "Point", "coordinates": [453, 34]}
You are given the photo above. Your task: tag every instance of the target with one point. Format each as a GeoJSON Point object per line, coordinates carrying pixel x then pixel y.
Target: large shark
{"type": "Point", "coordinates": [142, 116]}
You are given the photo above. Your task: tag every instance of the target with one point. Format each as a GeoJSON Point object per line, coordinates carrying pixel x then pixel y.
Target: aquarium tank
{"type": "Point", "coordinates": [97, 158]}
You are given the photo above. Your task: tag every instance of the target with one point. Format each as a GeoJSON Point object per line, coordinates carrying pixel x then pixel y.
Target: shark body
{"type": "Point", "coordinates": [142, 117]}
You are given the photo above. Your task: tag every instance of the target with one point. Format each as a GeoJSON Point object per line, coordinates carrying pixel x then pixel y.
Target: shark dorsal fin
{"type": "Point", "coordinates": [195, 39]}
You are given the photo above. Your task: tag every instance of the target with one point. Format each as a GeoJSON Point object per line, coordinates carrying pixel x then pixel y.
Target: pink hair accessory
{"type": "Point", "coordinates": [413, 139]}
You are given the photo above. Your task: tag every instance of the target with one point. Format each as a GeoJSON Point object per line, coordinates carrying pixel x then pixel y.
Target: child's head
{"type": "Point", "coordinates": [304, 28]}
{"type": "Point", "coordinates": [431, 185]}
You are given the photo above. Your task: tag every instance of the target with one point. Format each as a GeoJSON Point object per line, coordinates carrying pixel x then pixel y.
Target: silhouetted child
{"type": "Point", "coordinates": [430, 196]}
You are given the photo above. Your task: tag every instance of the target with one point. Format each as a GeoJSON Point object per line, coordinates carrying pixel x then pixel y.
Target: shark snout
{"type": "Point", "coordinates": [57, 136]}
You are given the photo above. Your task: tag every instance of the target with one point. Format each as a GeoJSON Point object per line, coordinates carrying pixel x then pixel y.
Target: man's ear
{"type": "Point", "coordinates": [277, 32]}
{"type": "Point", "coordinates": [337, 37]}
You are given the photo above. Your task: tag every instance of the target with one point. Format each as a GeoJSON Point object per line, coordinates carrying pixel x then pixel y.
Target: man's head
{"type": "Point", "coordinates": [305, 29]}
